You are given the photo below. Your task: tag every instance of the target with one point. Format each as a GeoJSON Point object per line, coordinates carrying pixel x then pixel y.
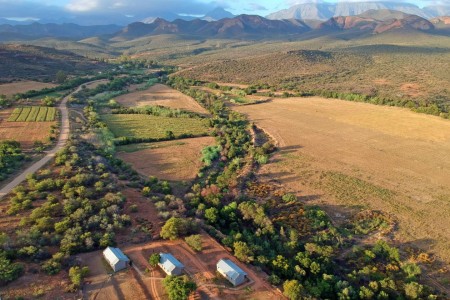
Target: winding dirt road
{"type": "Point", "coordinates": [63, 137]}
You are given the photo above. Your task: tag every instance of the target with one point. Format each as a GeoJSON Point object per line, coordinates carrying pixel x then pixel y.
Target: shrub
{"type": "Point", "coordinates": [133, 208]}
{"type": "Point", "coordinates": [274, 279]}
{"type": "Point", "coordinates": [154, 260]}
{"type": "Point", "coordinates": [8, 271]}
{"type": "Point", "coordinates": [195, 242]}
{"type": "Point", "coordinates": [51, 267]}
{"type": "Point", "coordinates": [289, 198]}
{"type": "Point", "coordinates": [76, 275]}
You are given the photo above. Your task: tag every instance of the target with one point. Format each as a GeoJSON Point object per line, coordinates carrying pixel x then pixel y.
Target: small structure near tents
{"type": "Point", "coordinates": [231, 272]}
{"type": "Point", "coordinates": [116, 259]}
{"type": "Point", "coordinates": [170, 264]}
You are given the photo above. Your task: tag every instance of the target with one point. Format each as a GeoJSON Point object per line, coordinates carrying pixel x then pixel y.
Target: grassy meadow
{"type": "Point", "coordinates": [151, 127]}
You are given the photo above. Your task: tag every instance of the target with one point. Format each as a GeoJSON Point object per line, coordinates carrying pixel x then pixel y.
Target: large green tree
{"type": "Point", "coordinates": [292, 289]}
{"type": "Point", "coordinates": [178, 287]}
{"type": "Point", "coordinates": [173, 228]}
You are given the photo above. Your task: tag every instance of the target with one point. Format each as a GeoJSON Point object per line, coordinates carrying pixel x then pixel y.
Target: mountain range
{"type": "Point", "coordinates": [325, 11]}
{"type": "Point", "coordinates": [251, 26]}
{"type": "Point", "coordinates": [315, 10]}
{"type": "Point", "coordinates": [239, 27]}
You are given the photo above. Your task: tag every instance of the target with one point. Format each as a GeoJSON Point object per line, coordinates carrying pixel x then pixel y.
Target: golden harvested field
{"type": "Point", "coordinates": [9, 89]}
{"type": "Point", "coordinates": [163, 95]}
{"type": "Point", "coordinates": [172, 160]}
{"type": "Point", "coordinates": [24, 132]}
{"type": "Point", "coordinates": [343, 155]}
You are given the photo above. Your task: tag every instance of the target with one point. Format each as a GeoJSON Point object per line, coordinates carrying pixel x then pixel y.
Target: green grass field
{"type": "Point", "coordinates": [152, 127]}
{"type": "Point", "coordinates": [33, 114]}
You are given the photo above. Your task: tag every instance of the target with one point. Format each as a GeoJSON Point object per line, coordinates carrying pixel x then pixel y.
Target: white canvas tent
{"type": "Point", "coordinates": [231, 272]}
{"type": "Point", "coordinates": [116, 259]}
{"type": "Point", "coordinates": [170, 264]}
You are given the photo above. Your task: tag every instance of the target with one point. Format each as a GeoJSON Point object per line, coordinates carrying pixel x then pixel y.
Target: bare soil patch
{"type": "Point", "coordinates": [102, 284]}
{"type": "Point", "coordinates": [24, 132]}
{"type": "Point", "coordinates": [39, 286]}
{"type": "Point", "coordinates": [201, 267]}
{"type": "Point", "coordinates": [145, 222]}
{"type": "Point", "coordinates": [172, 160]}
{"type": "Point", "coordinates": [163, 95]}
{"type": "Point", "coordinates": [9, 89]}
{"type": "Point", "coordinates": [343, 155]}
{"type": "Point", "coordinates": [412, 89]}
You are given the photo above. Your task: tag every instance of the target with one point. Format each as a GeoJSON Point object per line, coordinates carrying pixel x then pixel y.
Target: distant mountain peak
{"type": "Point", "coordinates": [217, 13]}
{"type": "Point", "coordinates": [378, 21]}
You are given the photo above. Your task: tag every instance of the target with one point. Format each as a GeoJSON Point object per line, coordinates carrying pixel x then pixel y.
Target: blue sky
{"type": "Point", "coordinates": [90, 11]}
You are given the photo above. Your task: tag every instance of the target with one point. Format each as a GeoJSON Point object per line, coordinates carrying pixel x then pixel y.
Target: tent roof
{"type": "Point", "coordinates": [114, 255]}
{"type": "Point", "coordinates": [169, 262]}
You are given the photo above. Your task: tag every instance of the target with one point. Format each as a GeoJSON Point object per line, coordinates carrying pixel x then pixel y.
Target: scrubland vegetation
{"type": "Point", "coordinates": [333, 73]}
{"type": "Point", "coordinates": [77, 206]}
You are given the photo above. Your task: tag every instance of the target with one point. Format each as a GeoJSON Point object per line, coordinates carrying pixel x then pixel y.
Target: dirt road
{"type": "Point", "coordinates": [63, 137]}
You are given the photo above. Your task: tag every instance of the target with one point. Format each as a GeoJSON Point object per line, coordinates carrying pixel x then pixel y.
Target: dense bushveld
{"type": "Point", "coordinates": [72, 207]}
{"type": "Point", "coordinates": [10, 157]}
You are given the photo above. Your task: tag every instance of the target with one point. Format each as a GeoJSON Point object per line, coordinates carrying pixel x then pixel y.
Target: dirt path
{"type": "Point", "coordinates": [63, 137]}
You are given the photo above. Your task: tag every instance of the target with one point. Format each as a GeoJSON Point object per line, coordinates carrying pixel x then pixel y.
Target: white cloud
{"type": "Point", "coordinates": [139, 6]}
{"type": "Point", "coordinates": [83, 5]}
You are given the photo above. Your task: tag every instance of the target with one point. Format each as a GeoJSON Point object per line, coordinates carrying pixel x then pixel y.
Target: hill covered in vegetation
{"type": "Point", "coordinates": [22, 61]}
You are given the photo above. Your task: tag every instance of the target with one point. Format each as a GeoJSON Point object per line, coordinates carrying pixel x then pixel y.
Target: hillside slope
{"type": "Point", "coordinates": [21, 61]}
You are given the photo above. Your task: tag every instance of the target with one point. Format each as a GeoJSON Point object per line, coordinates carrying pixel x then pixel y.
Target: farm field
{"type": "Point", "coordinates": [33, 114]}
{"type": "Point", "coordinates": [163, 95]}
{"type": "Point", "coordinates": [172, 160]}
{"type": "Point", "coordinates": [152, 127]}
{"type": "Point", "coordinates": [24, 132]}
{"type": "Point", "coordinates": [346, 155]}
{"type": "Point", "coordinates": [10, 89]}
